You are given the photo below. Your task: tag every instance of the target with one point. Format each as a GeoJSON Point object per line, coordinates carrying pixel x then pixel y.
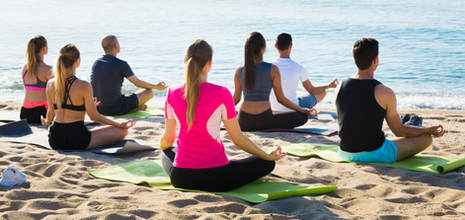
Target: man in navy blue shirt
{"type": "Point", "coordinates": [108, 73]}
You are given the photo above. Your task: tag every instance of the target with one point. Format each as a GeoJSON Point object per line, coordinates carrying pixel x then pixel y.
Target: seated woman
{"type": "Point", "coordinates": [256, 79]}
{"type": "Point", "coordinates": [68, 101]}
{"type": "Point", "coordinates": [35, 75]}
{"type": "Point", "coordinates": [199, 107]}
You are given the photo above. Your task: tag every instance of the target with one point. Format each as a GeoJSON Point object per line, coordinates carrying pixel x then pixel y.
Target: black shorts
{"type": "Point", "coordinates": [125, 105]}
{"type": "Point", "coordinates": [69, 136]}
{"type": "Point", "coordinates": [32, 115]}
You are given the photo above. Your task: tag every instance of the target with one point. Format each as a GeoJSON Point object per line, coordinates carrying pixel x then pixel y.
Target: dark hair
{"type": "Point", "coordinates": [283, 41]}
{"type": "Point", "coordinates": [252, 50]}
{"type": "Point", "coordinates": [198, 54]}
{"type": "Point", "coordinates": [365, 51]}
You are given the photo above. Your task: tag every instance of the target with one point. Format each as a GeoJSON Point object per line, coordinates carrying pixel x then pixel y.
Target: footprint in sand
{"type": "Point", "coordinates": [181, 203]}
{"type": "Point", "coordinates": [231, 207]}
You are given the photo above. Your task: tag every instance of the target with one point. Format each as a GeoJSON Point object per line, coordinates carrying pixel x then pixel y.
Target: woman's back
{"type": "Point", "coordinates": [34, 84]}
{"type": "Point", "coordinates": [263, 83]}
{"type": "Point", "coordinates": [200, 146]}
{"type": "Point", "coordinates": [74, 97]}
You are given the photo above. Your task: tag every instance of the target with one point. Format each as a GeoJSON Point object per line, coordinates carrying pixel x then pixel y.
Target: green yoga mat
{"type": "Point", "coordinates": [152, 173]}
{"type": "Point", "coordinates": [419, 162]}
{"type": "Point", "coordinates": [150, 111]}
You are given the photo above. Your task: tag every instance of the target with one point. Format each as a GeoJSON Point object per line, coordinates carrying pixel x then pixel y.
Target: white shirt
{"type": "Point", "coordinates": [291, 74]}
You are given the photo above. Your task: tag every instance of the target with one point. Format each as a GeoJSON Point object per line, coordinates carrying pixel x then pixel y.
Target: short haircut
{"type": "Point", "coordinates": [365, 51]}
{"type": "Point", "coordinates": [283, 41]}
{"type": "Point", "coordinates": [108, 43]}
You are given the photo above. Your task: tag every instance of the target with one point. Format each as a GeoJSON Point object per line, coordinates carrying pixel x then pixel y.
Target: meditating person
{"type": "Point", "coordinates": [69, 98]}
{"type": "Point", "coordinates": [362, 105]}
{"type": "Point", "coordinates": [108, 73]}
{"type": "Point", "coordinates": [256, 79]}
{"type": "Point", "coordinates": [291, 74]}
{"type": "Point", "coordinates": [198, 108]}
{"type": "Point", "coordinates": [35, 75]}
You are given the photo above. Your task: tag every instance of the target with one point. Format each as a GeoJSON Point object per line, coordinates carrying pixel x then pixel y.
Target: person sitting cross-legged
{"type": "Point", "coordinates": [108, 73]}
{"type": "Point", "coordinates": [291, 74]}
{"type": "Point", "coordinates": [362, 105]}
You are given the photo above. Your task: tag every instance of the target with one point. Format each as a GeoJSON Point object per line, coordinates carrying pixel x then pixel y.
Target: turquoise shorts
{"type": "Point", "coordinates": [387, 153]}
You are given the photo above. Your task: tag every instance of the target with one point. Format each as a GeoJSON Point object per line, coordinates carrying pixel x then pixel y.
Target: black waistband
{"type": "Point", "coordinates": [68, 123]}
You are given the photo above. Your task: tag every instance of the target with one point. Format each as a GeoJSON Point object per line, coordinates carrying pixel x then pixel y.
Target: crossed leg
{"type": "Point", "coordinates": [407, 147]}
{"type": "Point", "coordinates": [143, 96]}
{"type": "Point", "coordinates": [106, 136]}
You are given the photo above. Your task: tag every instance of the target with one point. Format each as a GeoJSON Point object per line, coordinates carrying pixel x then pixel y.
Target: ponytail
{"type": "Point", "coordinates": [68, 55]}
{"type": "Point", "coordinates": [252, 51]}
{"type": "Point", "coordinates": [198, 54]}
{"type": "Point", "coordinates": [34, 46]}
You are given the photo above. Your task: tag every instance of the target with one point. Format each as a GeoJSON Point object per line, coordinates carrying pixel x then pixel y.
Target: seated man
{"type": "Point", "coordinates": [362, 105]}
{"type": "Point", "coordinates": [291, 74]}
{"type": "Point", "coordinates": [108, 73]}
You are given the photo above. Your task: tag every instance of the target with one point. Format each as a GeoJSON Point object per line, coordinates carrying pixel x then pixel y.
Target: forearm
{"type": "Point", "coordinates": [412, 131]}
{"type": "Point", "coordinates": [145, 85]}
{"type": "Point", "coordinates": [50, 116]}
{"type": "Point", "coordinates": [248, 146]}
{"type": "Point", "coordinates": [104, 120]}
{"type": "Point", "coordinates": [286, 102]}
{"type": "Point", "coordinates": [166, 142]}
{"type": "Point", "coordinates": [319, 89]}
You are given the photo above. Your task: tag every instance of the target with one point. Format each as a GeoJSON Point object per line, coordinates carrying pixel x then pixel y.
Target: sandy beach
{"type": "Point", "coordinates": [59, 186]}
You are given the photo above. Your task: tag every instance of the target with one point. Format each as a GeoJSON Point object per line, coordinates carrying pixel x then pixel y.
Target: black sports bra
{"type": "Point", "coordinates": [69, 81]}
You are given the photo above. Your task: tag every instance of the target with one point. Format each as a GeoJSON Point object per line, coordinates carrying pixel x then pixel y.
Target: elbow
{"type": "Point", "coordinates": [281, 100]}
{"type": "Point", "coordinates": [399, 133]}
{"type": "Point", "coordinates": [166, 142]}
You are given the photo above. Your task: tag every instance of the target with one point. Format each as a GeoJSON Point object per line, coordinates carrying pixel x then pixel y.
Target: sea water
{"type": "Point", "coordinates": [422, 43]}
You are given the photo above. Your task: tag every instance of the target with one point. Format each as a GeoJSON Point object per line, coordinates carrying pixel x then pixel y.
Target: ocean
{"type": "Point", "coordinates": [422, 43]}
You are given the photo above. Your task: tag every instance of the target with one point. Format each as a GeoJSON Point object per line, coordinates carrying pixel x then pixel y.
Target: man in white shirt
{"type": "Point", "coordinates": [291, 74]}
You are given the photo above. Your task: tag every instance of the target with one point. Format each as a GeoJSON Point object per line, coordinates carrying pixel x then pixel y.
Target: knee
{"type": "Point", "coordinates": [149, 93]}
{"type": "Point", "coordinates": [303, 118]}
{"type": "Point", "coordinates": [428, 140]}
{"type": "Point", "coordinates": [268, 166]}
{"type": "Point", "coordinates": [124, 132]}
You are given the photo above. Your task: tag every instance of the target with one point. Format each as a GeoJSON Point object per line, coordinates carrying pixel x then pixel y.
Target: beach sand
{"type": "Point", "coordinates": [59, 187]}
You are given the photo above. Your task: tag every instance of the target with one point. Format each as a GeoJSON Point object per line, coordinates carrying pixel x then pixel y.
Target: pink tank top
{"type": "Point", "coordinates": [201, 146]}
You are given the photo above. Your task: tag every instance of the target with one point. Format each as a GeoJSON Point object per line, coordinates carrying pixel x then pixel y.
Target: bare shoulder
{"type": "Point", "coordinates": [82, 84]}
{"type": "Point", "coordinates": [383, 91]}
{"type": "Point", "coordinates": [274, 71]}
{"type": "Point", "coordinates": [384, 96]}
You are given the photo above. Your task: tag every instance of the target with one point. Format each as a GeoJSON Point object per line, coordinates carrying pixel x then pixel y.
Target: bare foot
{"type": "Point", "coordinates": [142, 107]}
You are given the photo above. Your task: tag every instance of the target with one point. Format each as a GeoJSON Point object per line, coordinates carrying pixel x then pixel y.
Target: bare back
{"type": "Point", "coordinates": [44, 73]}
{"type": "Point", "coordinates": [77, 96]}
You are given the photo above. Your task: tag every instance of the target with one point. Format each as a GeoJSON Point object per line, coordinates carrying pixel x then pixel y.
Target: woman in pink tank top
{"type": "Point", "coordinates": [198, 108]}
{"type": "Point", "coordinates": [35, 76]}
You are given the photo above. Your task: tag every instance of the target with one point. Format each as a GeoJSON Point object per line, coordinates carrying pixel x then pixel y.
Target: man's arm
{"type": "Point", "coordinates": [387, 100]}
{"type": "Point", "coordinates": [312, 90]}
{"type": "Point", "coordinates": [146, 85]}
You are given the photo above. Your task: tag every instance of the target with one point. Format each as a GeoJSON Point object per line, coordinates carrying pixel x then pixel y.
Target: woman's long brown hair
{"type": "Point", "coordinates": [198, 54]}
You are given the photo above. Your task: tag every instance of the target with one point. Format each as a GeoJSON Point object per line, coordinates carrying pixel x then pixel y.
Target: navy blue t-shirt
{"type": "Point", "coordinates": [108, 73]}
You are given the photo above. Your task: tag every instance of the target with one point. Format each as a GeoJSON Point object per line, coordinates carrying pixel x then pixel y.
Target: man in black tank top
{"type": "Point", "coordinates": [363, 103]}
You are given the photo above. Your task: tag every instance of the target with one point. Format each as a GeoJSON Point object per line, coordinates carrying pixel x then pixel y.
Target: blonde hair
{"type": "Point", "coordinates": [198, 54]}
{"type": "Point", "coordinates": [34, 46]}
{"type": "Point", "coordinates": [67, 56]}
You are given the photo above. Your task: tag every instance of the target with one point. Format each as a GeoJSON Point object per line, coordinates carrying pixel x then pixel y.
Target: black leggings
{"type": "Point", "coordinates": [217, 179]}
{"type": "Point", "coordinates": [268, 120]}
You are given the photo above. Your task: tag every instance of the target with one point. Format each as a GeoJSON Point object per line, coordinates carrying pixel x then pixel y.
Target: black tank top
{"type": "Point", "coordinates": [360, 116]}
